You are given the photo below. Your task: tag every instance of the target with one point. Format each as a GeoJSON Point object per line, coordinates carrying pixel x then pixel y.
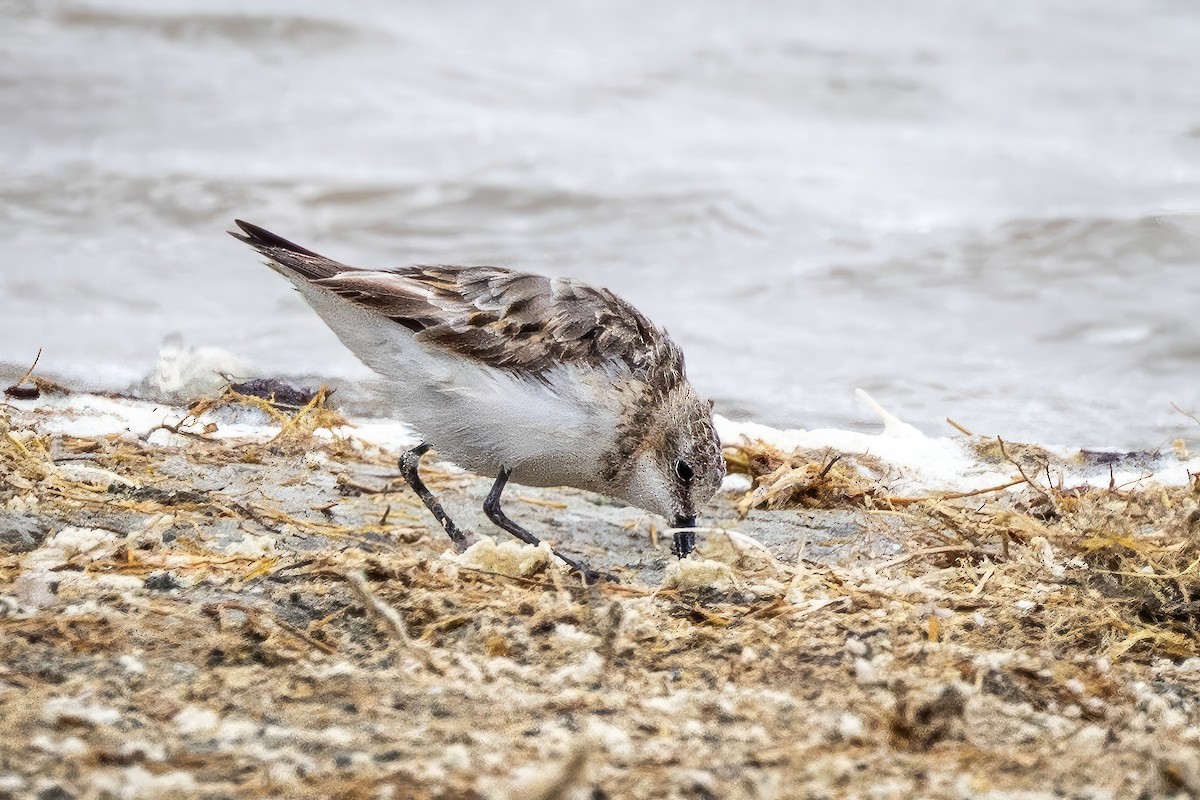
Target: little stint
{"type": "Point", "coordinates": [516, 376]}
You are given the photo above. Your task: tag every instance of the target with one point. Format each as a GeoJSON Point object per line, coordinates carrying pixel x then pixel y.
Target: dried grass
{"type": "Point", "coordinates": [1124, 564]}
{"type": "Point", "coordinates": [833, 675]}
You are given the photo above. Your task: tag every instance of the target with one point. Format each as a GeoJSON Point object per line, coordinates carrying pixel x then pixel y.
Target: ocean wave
{"type": "Point", "coordinates": [249, 29]}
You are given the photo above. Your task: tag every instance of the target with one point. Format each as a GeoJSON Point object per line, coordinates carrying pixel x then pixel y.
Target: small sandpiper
{"type": "Point", "coordinates": [515, 376]}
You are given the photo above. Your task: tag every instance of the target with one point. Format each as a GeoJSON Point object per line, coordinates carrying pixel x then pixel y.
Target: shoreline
{"type": "Point", "coordinates": [184, 373]}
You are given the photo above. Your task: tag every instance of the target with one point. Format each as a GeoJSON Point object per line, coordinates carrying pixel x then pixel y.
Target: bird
{"type": "Point", "coordinates": [520, 377]}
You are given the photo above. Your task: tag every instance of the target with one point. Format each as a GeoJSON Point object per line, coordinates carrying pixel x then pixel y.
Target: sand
{"type": "Point", "coordinates": [203, 614]}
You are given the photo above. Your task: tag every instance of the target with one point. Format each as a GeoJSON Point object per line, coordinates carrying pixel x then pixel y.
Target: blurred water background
{"type": "Point", "coordinates": [989, 211]}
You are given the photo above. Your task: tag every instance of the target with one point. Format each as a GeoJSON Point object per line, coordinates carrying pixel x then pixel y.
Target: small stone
{"type": "Point", "coordinates": [11, 783]}
{"type": "Point", "coordinates": [131, 664]}
{"type": "Point", "coordinates": [856, 647]}
{"type": "Point", "coordinates": [20, 533]}
{"type": "Point", "coordinates": [161, 582]}
{"type": "Point", "coordinates": [865, 673]}
{"type": "Point", "coordinates": [196, 719]}
{"type": "Point", "coordinates": [850, 728]}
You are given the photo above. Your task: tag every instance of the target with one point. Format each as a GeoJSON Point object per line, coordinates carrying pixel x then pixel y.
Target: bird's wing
{"type": "Point", "coordinates": [515, 321]}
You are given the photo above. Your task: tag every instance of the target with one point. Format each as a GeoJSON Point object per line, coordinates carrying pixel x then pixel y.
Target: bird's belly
{"type": "Point", "coordinates": [484, 420]}
{"type": "Point", "coordinates": [550, 432]}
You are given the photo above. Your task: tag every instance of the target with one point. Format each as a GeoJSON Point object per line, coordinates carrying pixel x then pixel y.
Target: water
{"type": "Point", "coordinates": [983, 211]}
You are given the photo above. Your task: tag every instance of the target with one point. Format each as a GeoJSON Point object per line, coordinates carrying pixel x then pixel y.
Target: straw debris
{"type": "Point", "coordinates": [1110, 572]}
{"type": "Point", "coordinates": [276, 616]}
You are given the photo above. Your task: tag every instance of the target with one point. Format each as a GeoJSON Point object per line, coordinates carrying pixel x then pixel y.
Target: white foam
{"type": "Point", "coordinates": [190, 373]}
{"type": "Point", "coordinates": [919, 463]}
{"type": "Point", "coordinates": [923, 463]}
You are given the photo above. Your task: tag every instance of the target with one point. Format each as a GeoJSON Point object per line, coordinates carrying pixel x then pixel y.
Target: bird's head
{"type": "Point", "coordinates": [677, 466]}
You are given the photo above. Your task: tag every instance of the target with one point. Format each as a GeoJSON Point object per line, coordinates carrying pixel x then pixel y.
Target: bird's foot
{"type": "Point", "coordinates": [590, 576]}
{"type": "Point", "coordinates": [464, 540]}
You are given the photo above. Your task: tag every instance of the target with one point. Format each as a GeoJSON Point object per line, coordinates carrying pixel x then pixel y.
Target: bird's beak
{"type": "Point", "coordinates": [685, 540]}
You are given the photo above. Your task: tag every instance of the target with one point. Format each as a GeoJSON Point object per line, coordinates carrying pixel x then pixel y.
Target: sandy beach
{"type": "Point", "coordinates": [250, 603]}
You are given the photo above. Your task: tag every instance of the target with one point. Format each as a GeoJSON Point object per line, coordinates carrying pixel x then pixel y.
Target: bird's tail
{"type": "Point", "coordinates": [285, 256]}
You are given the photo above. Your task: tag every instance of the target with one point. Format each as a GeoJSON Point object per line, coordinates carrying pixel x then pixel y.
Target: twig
{"type": "Point", "coordinates": [1187, 414]}
{"type": "Point", "coordinates": [535, 501]}
{"type": "Point", "coordinates": [958, 427]}
{"type": "Point", "coordinates": [1020, 469]}
{"type": "Point", "coordinates": [987, 575]}
{"type": "Point", "coordinates": [289, 567]}
{"type": "Point", "coordinates": [813, 607]}
{"type": "Point", "coordinates": [927, 551]}
{"type": "Point", "coordinates": [294, 631]}
{"type": "Point", "coordinates": [961, 495]}
{"type": "Point", "coordinates": [177, 429]}
{"type": "Point", "coordinates": [825, 469]}
{"type": "Point", "coordinates": [17, 443]}
{"type": "Point", "coordinates": [390, 616]}
{"type": "Point", "coordinates": [1132, 481]}
{"type": "Point", "coordinates": [1001, 487]}
{"type": "Point", "coordinates": [893, 500]}
{"type": "Point", "coordinates": [286, 626]}
{"type": "Point", "coordinates": [1153, 575]}
{"type": "Point", "coordinates": [320, 623]}
{"type": "Point", "coordinates": [393, 621]}
{"type": "Point", "coordinates": [36, 358]}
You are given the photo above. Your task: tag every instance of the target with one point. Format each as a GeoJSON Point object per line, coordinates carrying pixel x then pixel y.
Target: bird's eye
{"type": "Point", "coordinates": [683, 471]}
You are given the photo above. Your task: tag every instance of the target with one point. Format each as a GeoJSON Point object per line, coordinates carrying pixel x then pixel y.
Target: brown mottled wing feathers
{"type": "Point", "coordinates": [509, 320]}
{"type": "Point", "coordinates": [514, 321]}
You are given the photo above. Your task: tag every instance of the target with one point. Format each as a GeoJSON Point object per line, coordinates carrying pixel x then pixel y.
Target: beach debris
{"type": "Point", "coordinates": [699, 573]}
{"type": "Point", "coordinates": [298, 427]}
{"type": "Point", "coordinates": [20, 392]}
{"type": "Point", "coordinates": [510, 557]}
{"type": "Point", "coordinates": [390, 616]}
{"type": "Point", "coordinates": [738, 550]}
{"type": "Point", "coordinates": [279, 393]}
{"type": "Point", "coordinates": [92, 476]}
{"type": "Point", "coordinates": [559, 780]}
{"type": "Point", "coordinates": [38, 387]}
{"type": "Point", "coordinates": [909, 635]}
{"type": "Point", "coordinates": [919, 721]}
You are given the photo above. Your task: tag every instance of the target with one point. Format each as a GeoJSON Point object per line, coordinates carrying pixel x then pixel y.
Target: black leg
{"type": "Point", "coordinates": [491, 507]}
{"type": "Point", "coordinates": [685, 542]}
{"type": "Point", "coordinates": [408, 468]}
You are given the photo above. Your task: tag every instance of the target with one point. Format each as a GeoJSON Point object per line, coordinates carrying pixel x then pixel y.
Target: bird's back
{"type": "Point", "coordinates": [519, 322]}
